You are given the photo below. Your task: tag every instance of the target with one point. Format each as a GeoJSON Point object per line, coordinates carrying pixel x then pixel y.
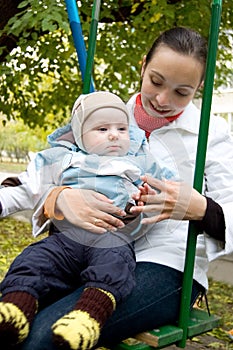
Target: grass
{"type": "Point", "coordinates": [12, 167]}
{"type": "Point", "coordinates": [15, 235]}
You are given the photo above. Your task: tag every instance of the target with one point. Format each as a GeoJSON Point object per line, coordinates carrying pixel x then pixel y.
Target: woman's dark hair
{"type": "Point", "coordinates": [184, 41]}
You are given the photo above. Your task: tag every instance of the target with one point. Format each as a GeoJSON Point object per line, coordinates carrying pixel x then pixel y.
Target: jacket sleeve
{"type": "Point", "coordinates": [219, 187]}
{"type": "Point", "coordinates": [213, 222]}
{"type": "Point", "coordinates": [11, 182]}
{"type": "Point", "coordinates": [14, 199]}
{"type": "Point", "coordinates": [30, 186]}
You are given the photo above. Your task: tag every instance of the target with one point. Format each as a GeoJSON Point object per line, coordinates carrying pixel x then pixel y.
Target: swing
{"type": "Point", "coordinates": [197, 321]}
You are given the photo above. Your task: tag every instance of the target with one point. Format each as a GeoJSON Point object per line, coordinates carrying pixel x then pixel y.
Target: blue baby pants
{"type": "Point", "coordinates": [56, 265]}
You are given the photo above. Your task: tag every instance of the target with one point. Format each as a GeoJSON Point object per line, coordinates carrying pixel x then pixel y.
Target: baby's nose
{"type": "Point", "coordinates": [113, 136]}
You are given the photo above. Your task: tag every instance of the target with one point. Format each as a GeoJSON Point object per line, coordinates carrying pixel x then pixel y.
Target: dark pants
{"type": "Point", "coordinates": [57, 265]}
{"type": "Point", "coordinates": [153, 302]}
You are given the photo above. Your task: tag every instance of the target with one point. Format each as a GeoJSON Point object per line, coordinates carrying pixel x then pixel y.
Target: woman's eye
{"type": "Point", "coordinates": [182, 93]}
{"type": "Point", "coordinates": [156, 83]}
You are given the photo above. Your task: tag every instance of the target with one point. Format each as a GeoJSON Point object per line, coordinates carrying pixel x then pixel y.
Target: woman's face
{"type": "Point", "coordinates": [169, 82]}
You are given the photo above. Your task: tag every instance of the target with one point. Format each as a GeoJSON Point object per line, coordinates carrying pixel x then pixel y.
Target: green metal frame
{"type": "Point", "coordinates": [91, 46]}
{"type": "Point", "coordinates": [200, 161]}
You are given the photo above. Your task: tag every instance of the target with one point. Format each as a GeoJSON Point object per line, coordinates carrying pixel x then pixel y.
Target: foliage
{"type": "Point", "coordinates": [14, 148]}
{"type": "Point", "coordinates": [40, 78]}
{"type": "Point", "coordinates": [15, 235]}
{"type": "Point", "coordinates": [221, 303]}
{"type": "Point", "coordinates": [35, 75]}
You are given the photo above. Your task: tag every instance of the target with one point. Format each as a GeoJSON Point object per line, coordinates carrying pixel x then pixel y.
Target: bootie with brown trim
{"type": "Point", "coordinates": [17, 310]}
{"type": "Point", "coordinates": [80, 329]}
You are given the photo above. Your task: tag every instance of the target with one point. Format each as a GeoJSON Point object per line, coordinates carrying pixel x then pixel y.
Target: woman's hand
{"type": "Point", "coordinates": [174, 200]}
{"type": "Point", "coordinates": [89, 210]}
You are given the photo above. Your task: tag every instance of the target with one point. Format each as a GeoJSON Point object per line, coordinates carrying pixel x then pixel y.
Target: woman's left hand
{"type": "Point", "coordinates": [174, 200]}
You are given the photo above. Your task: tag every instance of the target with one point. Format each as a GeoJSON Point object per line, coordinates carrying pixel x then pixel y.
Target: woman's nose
{"type": "Point", "coordinates": [163, 98]}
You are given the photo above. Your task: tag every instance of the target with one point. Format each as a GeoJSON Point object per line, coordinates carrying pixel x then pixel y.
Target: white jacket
{"type": "Point", "coordinates": [175, 145]}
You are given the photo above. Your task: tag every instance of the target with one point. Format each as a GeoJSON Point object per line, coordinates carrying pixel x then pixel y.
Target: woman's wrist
{"type": "Point", "coordinates": [51, 205]}
{"type": "Point", "coordinates": [201, 208]}
{"type": "Point", "coordinates": [197, 207]}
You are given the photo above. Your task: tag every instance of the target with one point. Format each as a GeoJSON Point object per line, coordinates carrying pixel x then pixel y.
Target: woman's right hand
{"type": "Point", "coordinates": [173, 200]}
{"type": "Point", "coordinates": [89, 210]}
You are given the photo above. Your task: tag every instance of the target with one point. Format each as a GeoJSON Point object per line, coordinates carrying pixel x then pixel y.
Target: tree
{"type": "Point", "coordinates": [18, 148]}
{"type": "Point", "coordinates": [40, 76]}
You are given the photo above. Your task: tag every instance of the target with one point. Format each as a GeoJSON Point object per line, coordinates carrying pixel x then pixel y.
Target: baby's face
{"type": "Point", "coordinates": [106, 132]}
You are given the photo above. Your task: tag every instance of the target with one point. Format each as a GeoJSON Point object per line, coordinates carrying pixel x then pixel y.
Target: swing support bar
{"type": "Point", "coordinates": [200, 164]}
{"type": "Point", "coordinates": [79, 43]}
{"type": "Point", "coordinates": [91, 46]}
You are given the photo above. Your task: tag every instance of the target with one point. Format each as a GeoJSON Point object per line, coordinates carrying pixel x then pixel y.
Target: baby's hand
{"type": "Point", "coordinates": [144, 189]}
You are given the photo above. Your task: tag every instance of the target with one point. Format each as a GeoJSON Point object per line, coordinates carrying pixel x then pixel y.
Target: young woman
{"type": "Point", "coordinates": [172, 72]}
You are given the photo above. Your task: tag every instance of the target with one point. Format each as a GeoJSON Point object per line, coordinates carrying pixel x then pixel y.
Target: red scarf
{"type": "Point", "coordinates": [148, 123]}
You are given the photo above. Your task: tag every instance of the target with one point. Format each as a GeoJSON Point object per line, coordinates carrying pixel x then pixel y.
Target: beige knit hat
{"type": "Point", "coordinates": [85, 105]}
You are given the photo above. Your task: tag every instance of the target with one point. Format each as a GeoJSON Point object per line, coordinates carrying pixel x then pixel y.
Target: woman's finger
{"type": "Point", "coordinates": [100, 202]}
{"type": "Point", "coordinates": [108, 222]}
{"type": "Point", "coordinates": [150, 201]}
{"type": "Point", "coordinates": [155, 183]}
{"type": "Point", "coordinates": [153, 219]}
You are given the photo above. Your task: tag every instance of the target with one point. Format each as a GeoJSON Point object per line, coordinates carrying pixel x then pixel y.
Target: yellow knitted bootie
{"type": "Point", "coordinates": [14, 320]}
{"type": "Point", "coordinates": [14, 326]}
{"type": "Point", "coordinates": [80, 329]}
{"type": "Point", "coordinates": [76, 330]}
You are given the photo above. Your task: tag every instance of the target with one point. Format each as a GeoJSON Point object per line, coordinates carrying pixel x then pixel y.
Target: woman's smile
{"type": "Point", "coordinates": [160, 110]}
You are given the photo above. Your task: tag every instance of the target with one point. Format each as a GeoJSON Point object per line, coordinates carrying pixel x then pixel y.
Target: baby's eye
{"type": "Point", "coordinates": [102, 129]}
{"type": "Point", "coordinates": [123, 129]}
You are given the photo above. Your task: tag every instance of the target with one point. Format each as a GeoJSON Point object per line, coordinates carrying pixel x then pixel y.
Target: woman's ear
{"type": "Point", "coordinates": [143, 66]}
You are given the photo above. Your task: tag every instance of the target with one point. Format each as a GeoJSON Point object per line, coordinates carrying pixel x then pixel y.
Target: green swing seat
{"type": "Point", "coordinates": [199, 322]}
